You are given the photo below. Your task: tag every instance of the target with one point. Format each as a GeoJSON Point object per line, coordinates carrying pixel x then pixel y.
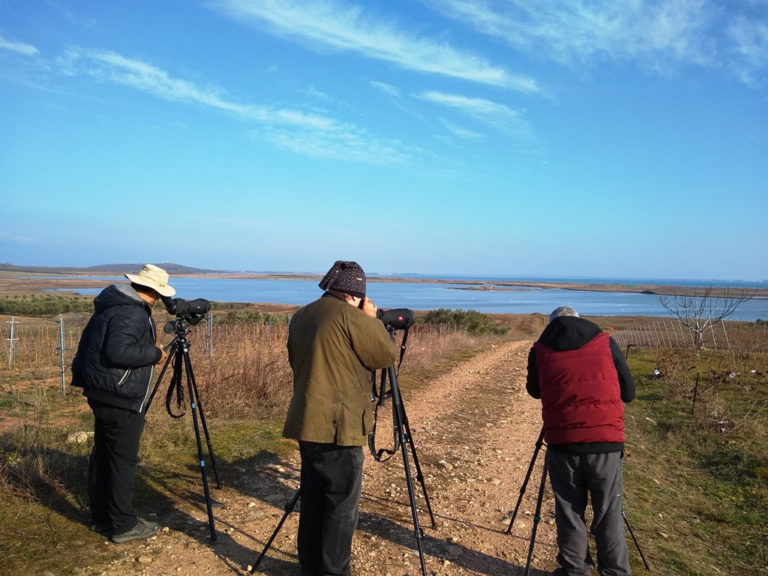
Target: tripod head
{"type": "Point", "coordinates": [180, 326]}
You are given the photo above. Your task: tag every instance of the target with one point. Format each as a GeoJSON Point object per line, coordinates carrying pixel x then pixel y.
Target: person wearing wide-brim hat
{"type": "Point", "coordinates": [114, 365]}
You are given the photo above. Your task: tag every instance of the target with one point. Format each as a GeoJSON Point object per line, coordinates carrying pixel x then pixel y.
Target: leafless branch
{"type": "Point", "coordinates": [698, 310]}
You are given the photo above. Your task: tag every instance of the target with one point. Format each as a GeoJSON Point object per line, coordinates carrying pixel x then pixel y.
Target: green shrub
{"type": "Point", "coordinates": [471, 321]}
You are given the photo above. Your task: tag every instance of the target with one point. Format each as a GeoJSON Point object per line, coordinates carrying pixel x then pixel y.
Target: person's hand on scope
{"type": "Point", "coordinates": [369, 307]}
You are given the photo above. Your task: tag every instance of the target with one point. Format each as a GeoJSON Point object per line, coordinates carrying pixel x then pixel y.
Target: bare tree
{"type": "Point", "coordinates": [699, 309]}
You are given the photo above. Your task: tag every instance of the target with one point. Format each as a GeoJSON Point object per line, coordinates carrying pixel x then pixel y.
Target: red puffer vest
{"type": "Point", "coordinates": [580, 395]}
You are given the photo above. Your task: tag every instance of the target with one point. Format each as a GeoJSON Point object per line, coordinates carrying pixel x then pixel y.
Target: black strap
{"type": "Point", "coordinates": [175, 386]}
{"type": "Point", "coordinates": [381, 397]}
{"type": "Point", "coordinates": [378, 455]}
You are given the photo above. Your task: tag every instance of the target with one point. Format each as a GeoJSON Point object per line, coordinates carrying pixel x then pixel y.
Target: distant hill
{"type": "Point", "coordinates": [103, 269]}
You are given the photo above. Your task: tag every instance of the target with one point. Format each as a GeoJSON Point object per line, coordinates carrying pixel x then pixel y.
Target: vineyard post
{"type": "Point", "coordinates": [10, 341]}
{"type": "Point", "coordinates": [209, 334]}
{"type": "Point", "coordinates": [61, 355]}
{"type": "Point", "coordinates": [669, 338]}
{"type": "Point", "coordinates": [657, 334]}
{"type": "Point", "coordinates": [727, 342]}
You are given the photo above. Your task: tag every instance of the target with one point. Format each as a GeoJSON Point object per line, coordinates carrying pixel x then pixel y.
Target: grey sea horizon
{"type": "Point", "coordinates": [446, 293]}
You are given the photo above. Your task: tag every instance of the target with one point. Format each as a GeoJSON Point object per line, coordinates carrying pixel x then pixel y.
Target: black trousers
{"type": "Point", "coordinates": [112, 466]}
{"type": "Point", "coordinates": [331, 483]}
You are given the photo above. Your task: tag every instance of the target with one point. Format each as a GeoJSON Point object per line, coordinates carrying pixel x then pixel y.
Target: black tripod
{"type": "Point", "coordinates": [393, 320]}
{"type": "Point", "coordinates": [178, 354]}
{"type": "Point", "coordinates": [402, 436]}
{"type": "Point", "coordinates": [540, 497]}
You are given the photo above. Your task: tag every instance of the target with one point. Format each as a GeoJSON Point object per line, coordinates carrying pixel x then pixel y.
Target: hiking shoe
{"type": "Point", "coordinates": [143, 529]}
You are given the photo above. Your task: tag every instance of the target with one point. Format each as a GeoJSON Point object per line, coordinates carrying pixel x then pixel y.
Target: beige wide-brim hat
{"type": "Point", "coordinates": [153, 277]}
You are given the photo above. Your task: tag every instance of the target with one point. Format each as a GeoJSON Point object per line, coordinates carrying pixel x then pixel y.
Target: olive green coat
{"type": "Point", "coordinates": [332, 349]}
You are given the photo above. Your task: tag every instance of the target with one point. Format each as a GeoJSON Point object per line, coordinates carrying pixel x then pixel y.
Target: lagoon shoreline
{"type": "Point", "coordinates": [17, 283]}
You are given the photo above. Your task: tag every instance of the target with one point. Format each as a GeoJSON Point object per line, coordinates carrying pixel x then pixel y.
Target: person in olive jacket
{"type": "Point", "coordinates": [114, 365]}
{"type": "Point", "coordinates": [583, 381]}
{"type": "Point", "coordinates": [333, 345]}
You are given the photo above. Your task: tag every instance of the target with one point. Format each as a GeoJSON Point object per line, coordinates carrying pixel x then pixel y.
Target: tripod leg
{"type": "Point", "coordinates": [632, 533]}
{"type": "Point", "coordinates": [419, 474]}
{"type": "Point", "coordinates": [539, 443]}
{"type": "Point", "coordinates": [398, 412]}
{"type": "Point", "coordinates": [288, 509]}
{"type": "Point", "coordinates": [536, 517]}
{"type": "Point", "coordinates": [171, 352]}
{"type": "Point", "coordinates": [196, 399]}
{"type": "Point", "coordinates": [203, 473]}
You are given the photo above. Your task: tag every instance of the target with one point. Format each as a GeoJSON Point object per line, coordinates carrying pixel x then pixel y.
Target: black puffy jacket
{"type": "Point", "coordinates": [117, 351]}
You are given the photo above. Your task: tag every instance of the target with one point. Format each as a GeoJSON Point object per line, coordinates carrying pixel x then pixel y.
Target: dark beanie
{"type": "Point", "coordinates": [345, 276]}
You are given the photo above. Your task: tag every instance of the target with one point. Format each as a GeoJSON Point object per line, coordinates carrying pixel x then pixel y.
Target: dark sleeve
{"type": "Point", "coordinates": [626, 382]}
{"type": "Point", "coordinates": [78, 363]}
{"type": "Point", "coordinates": [129, 342]}
{"type": "Point", "coordinates": [532, 380]}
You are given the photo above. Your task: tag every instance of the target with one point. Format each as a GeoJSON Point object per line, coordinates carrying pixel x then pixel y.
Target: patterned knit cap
{"type": "Point", "coordinates": [345, 276]}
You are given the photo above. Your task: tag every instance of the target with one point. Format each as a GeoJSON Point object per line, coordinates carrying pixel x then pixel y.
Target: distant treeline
{"type": "Point", "coordinates": [44, 304]}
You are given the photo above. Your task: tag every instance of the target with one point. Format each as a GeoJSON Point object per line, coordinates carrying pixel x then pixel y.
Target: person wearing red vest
{"type": "Point", "coordinates": [583, 381]}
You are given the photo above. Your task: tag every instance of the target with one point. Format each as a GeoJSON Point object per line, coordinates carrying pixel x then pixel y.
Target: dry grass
{"type": "Point", "coordinates": [696, 479]}
{"type": "Point", "coordinates": [241, 372]}
{"type": "Point", "coordinates": [244, 385]}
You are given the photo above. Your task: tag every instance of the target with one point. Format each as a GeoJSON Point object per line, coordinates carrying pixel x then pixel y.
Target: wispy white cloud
{"type": "Point", "coordinates": [341, 26]}
{"type": "Point", "coordinates": [13, 237]}
{"type": "Point", "coordinates": [318, 94]}
{"type": "Point", "coordinates": [657, 35]}
{"type": "Point", "coordinates": [583, 31]}
{"type": "Point", "coordinates": [106, 66]}
{"type": "Point", "coordinates": [18, 47]}
{"type": "Point", "coordinates": [463, 133]}
{"type": "Point", "coordinates": [750, 46]}
{"type": "Point", "coordinates": [490, 113]}
{"type": "Point", "coordinates": [385, 88]}
{"type": "Point", "coordinates": [305, 133]}
{"type": "Point", "coordinates": [350, 145]}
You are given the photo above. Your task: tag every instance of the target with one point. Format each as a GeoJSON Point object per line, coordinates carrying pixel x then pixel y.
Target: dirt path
{"type": "Point", "coordinates": [474, 430]}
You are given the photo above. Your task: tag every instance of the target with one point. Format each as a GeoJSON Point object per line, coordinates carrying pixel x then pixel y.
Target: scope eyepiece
{"type": "Point", "coordinates": [397, 318]}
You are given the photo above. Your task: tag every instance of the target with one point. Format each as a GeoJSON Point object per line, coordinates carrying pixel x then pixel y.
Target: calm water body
{"type": "Point", "coordinates": [431, 296]}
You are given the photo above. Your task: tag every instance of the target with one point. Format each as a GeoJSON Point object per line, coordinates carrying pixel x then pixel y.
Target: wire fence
{"type": "Point", "coordinates": [45, 344]}
{"type": "Point", "coordinates": [40, 344]}
{"type": "Point", "coordinates": [673, 334]}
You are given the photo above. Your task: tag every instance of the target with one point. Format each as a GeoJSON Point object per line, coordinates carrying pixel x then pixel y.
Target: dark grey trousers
{"type": "Point", "coordinates": [575, 478]}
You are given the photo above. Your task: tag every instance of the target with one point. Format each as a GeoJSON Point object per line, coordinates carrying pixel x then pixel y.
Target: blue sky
{"type": "Point", "coordinates": [588, 138]}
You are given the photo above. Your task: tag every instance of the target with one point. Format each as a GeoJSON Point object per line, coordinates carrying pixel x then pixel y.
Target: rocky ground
{"type": "Point", "coordinates": [474, 431]}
